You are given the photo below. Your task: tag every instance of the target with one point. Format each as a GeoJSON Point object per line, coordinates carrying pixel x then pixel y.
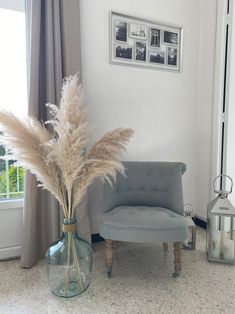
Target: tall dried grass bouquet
{"type": "Point", "coordinates": [59, 158]}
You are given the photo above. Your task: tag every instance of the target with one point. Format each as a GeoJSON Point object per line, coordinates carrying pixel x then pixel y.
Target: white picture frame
{"type": "Point", "coordinates": [142, 43]}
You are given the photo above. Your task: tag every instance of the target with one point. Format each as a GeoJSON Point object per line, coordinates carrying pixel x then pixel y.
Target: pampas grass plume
{"type": "Point", "coordinates": [59, 158]}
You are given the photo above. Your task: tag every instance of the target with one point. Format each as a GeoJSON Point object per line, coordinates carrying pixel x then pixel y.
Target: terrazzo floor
{"type": "Point", "coordinates": [142, 283]}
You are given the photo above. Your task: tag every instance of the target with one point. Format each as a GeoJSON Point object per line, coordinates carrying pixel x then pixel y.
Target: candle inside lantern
{"type": "Point", "coordinates": [215, 244]}
{"type": "Point", "coordinates": [228, 250]}
{"type": "Point", "coordinates": [224, 238]}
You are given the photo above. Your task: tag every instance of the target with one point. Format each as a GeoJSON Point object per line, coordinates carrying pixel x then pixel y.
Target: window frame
{"type": "Point", "coordinates": [20, 6]}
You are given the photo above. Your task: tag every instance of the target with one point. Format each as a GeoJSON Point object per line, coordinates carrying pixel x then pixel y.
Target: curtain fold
{"type": "Point", "coordinates": [53, 52]}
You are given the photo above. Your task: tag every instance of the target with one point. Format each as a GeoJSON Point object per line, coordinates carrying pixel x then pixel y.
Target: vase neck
{"type": "Point", "coordinates": [69, 225]}
{"type": "Point", "coordinates": [68, 221]}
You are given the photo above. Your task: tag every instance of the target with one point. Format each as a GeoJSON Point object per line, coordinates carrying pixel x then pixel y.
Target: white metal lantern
{"type": "Point", "coordinates": [220, 227]}
{"type": "Point", "coordinates": [190, 243]}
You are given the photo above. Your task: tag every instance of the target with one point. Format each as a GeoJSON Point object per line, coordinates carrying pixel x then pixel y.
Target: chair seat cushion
{"type": "Point", "coordinates": [142, 224]}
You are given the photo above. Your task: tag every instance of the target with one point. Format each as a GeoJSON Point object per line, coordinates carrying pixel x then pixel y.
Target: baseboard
{"type": "Point", "coordinates": [200, 222]}
{"type": "Point", "coordinates": [96, 238]}
{"type": "Point", "coordinates": [10, 252]}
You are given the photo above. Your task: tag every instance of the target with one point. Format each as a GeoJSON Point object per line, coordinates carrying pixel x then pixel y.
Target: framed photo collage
{"type": "Point", "coordinates": [141, 43]}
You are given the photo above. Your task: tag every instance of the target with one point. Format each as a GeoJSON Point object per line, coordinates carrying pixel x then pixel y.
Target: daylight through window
{"type": "Point", "coordinates": [13, 96]}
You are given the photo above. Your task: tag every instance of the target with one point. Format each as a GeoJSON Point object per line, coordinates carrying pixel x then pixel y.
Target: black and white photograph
{"type": "Point", "coordinates": [123, 52]}
{"type": "Point", "coordinates": [171, 56]}
{"type": "Point", "coordinates": [157, 57]}
{"type": "Point", "coordinates": [170, 38]}
{"type": "Point", "coordinates": [138, 31]}
{"type": "Point", "coordinates": [141, 43]}
{"type": "Point", "coordinates": [155, 37]}
{"type": "Point", "coordinates": [140, 51]}
{"type": "Point", "coordinates": [120, 30]}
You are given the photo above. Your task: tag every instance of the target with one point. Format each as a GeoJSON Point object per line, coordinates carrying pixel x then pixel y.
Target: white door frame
{"type": "Point", "coordinates": [221, 87]}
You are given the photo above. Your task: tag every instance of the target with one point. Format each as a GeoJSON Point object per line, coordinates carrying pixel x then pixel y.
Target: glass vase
{"type": "Point", "coordinates": [69, 262]}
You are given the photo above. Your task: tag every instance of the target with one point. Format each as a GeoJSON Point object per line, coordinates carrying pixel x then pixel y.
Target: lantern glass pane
{"type": "Point", "coordinates": [190, 242]}
{"type": "Point", "coordinates": [220, 243]}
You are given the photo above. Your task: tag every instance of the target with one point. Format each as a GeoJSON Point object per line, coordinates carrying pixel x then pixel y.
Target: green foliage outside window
{"type": "Point", "coordinates": [16, 186]}
{"type": "Point", "coordinates": [13, 189]}
{"type": "Point", "coordinates": [2, 162]}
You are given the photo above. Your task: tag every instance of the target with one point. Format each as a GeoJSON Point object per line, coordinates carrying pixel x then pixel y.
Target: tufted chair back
{"type": "Point", "coordinates": [147, 183]}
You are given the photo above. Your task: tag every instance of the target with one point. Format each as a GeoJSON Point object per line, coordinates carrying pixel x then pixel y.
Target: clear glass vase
{"type": "Point", "coordinates": [69, 262]}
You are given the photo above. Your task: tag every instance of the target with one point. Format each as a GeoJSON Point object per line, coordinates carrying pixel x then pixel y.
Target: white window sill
{"type": "Point", "coordinates": [13, 203]}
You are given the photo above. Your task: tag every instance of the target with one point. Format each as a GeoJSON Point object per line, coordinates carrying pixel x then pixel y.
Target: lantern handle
{"type": "Point", "coordinates": [222, 192]}
{"type": "Point", "coordinates": [188, 212]}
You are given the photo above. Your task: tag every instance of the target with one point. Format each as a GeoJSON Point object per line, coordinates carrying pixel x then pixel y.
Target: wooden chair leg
{"type": "Point", "coordinates": [177, 259]}
{"type": "Point", "coordinates": [109, 257]}
{"type": "Point", "coordinates": [165, 246]}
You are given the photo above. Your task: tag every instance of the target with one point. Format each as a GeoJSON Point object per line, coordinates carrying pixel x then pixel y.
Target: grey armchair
{"type": "Point", "coordinates": [145, 206]}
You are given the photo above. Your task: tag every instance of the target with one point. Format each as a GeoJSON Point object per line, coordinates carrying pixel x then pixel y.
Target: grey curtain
{"type": "Point", "coordinates": [53, 52]}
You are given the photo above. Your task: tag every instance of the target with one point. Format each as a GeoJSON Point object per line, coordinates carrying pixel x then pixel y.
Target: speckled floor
{"type": "Point", "coordinates": [142, 283]}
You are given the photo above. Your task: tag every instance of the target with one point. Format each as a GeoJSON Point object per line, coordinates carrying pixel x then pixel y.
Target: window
{"type": "Point", "coordinates": [13, 87]}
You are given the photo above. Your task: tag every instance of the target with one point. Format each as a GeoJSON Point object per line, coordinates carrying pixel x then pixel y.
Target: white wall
{"type": "Point", "coordinates": [162, 107]}
{"type": "Point", "coordinates": [204, 105]}
{"type": "Point", "coordinates": [11, 224]}
{"type": "Point", "coordinates": [17, 5]}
